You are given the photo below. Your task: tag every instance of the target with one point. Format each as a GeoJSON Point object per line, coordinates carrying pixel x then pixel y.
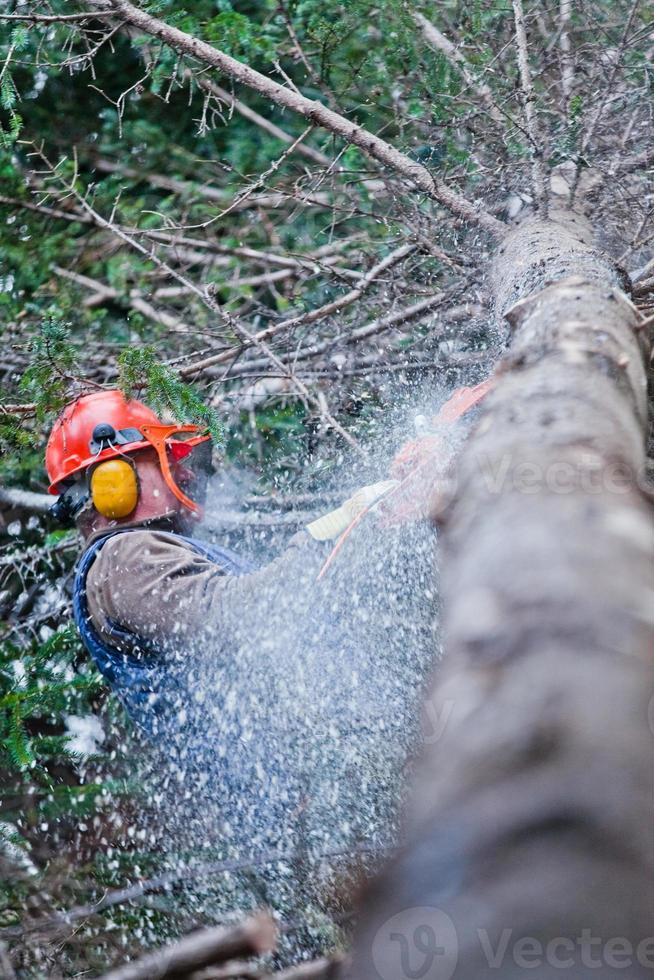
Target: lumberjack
{"type": "Point", "coordinates": [145, 591]}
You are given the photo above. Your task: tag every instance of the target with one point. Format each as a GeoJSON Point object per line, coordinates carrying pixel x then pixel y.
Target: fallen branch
{"type": "Point", "coordinates": [35, 503]}
{"type": "Point", "coordinates": [253, 937]}
{"type": "Point", "coordinates": [187, 188]}
{"type": "Point", "coordinates": [378, 325]}
{"type": "Point", "coordinates": [28, 409]}
{"type": "Point", "coordinates": [173, 184]}
{"type": "Point", "coordinates": [315, 112]}
{"type": "Point", "coordinates": [307, 260]}
{"type": "Point", "coordinates": [304, 318]}
{"type": "Point", "coordinates": [44, 210]}
{"type": "Point", "coordinates": [101, 292]}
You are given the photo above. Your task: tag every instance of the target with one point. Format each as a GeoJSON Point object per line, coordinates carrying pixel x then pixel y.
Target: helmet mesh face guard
{"type": "Point", "coordinates": [193, 466]}
{"type": "Point", "coordinates": [160, 437]}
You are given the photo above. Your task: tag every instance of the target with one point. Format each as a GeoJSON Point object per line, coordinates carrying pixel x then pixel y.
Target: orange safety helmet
{"type": "Point", "coordinates": [105, 425]}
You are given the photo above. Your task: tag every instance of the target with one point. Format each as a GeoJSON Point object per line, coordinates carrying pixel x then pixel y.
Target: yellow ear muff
{"type": "Point", "coordinates": [114, 489]}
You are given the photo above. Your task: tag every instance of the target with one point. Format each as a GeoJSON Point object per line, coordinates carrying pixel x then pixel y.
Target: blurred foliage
{"type": "Point", "coordinates": [41, 686]}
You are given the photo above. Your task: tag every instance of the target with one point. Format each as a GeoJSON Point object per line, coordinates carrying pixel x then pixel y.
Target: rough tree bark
{"type": "Point", "coordinates": [533, 808]}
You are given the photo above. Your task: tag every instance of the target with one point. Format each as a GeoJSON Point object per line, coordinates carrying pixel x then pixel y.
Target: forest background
{"type": "Point", "coordinates": [300, 291]}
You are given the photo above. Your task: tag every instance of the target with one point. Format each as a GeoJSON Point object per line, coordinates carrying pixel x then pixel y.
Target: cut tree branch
{"type": "Point", "coordinates": [531, 120]}
{"type": "Point", "coordinates": [253, 937]}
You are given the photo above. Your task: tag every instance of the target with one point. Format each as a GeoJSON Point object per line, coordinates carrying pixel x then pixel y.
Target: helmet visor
{"type": "Point", "coordinates": [191, 466]}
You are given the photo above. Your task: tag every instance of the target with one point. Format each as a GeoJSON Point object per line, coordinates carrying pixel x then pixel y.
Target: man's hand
{"type": "Point", "coordinates": [418, 472]}
{"type": "Point", "coordinates": [331, 526]}
{"type": "Point", "coordinates": [422, 464]}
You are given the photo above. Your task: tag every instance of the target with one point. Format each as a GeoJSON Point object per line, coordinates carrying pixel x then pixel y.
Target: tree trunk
{"type": "Point", "coordinates": [531, 837]}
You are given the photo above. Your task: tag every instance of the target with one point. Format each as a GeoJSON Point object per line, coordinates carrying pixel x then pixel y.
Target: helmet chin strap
{"type": "Point", "coordinates": [156, 436]}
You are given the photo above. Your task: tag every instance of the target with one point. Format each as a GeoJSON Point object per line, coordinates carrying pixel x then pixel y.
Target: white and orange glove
{"type": "Point", "coordinates": [416, 473]}
{"type": "Point", "coordinates": [330, 526]}
{"type": "Point", "coordinates": [421, 464]}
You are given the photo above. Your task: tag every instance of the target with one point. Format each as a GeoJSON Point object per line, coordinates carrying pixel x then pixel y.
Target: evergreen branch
{"type": "Point", "coordinates": [439, 42]}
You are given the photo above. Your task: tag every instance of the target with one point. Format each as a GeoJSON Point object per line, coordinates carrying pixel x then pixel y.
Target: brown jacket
{"type": "Point", "coordinates": [153, 584]}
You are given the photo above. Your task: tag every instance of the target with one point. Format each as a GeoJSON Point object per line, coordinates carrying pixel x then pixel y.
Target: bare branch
{"type": "Point", "coordinates": [305, 318]}
{"type": "Point", "coordinates": [379, 325]}
{"type": "Point", "coordinates": [565, 47]}
{"type": "Point", "coordinates": [45, 210]}
{"type": "Point", "coordinates": [269, 127]}
{"type": "Point", "coordinates": [252, 938]}
{"type": "Point", "coordinates": [58, 18]}
{"type": "Point", "coordinates": [188, 188]}
{"type": "Point", "coordinates": [101, 292]}
{"type": "Point", "coordinates": [527, 91]}
{"type": "Point", "coordinates": [27, 409]}
{"type": "Point", "coordinates": [316, 113]}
